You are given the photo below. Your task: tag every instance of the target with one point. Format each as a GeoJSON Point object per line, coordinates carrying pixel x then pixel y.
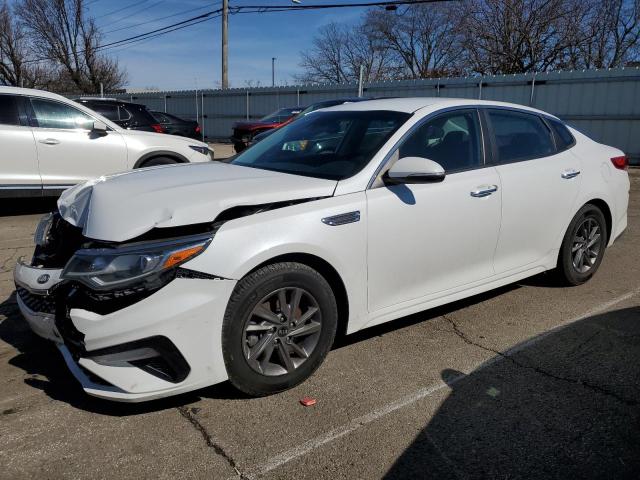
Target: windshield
{"type": "Point", "coordinates": [330, 145]}
{"type": "Point", "coordinates": [281, 115]}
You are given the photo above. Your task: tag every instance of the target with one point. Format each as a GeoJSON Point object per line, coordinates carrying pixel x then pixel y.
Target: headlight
{"type": "Point", "coordinates": [41, 235]}
{"type": "Point", "coordinates": [202, 150]}
{"type": "Point", "coordinates": [104, 268]}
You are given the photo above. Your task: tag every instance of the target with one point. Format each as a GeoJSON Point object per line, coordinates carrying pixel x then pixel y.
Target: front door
{"type": "Point", "coordinates": [19, 165]}
{"type": "Point", "coordinates": [426, 239]}
{"type": "Point", "coordinates": [69, 152]}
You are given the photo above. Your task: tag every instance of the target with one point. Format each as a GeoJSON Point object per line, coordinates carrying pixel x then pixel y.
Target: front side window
{"type": "Point", "coordinates": [50, 114]}
{"type": "Point", "coordinates": [451, 139]}
{"type": "Point", "coordinates": [520, 136]}
{"type": "Point", "coordinates": [9, 114]}
{"type": "Point", "coordinates": [330, 145]}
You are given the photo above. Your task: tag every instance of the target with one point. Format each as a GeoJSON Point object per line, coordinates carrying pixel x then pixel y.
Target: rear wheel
{"type": "Point", "coordinates": [153, 162]}
{"type": "Point", "coordinates": [278, 328]}
{"type": "Point", "coordinates": [583, 246]}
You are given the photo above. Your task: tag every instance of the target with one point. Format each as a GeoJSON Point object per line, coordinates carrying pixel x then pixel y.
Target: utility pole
{"type": "Point", "coordinates": [273, 71]}
{"type": "Point", "coordinates": [225, 28]}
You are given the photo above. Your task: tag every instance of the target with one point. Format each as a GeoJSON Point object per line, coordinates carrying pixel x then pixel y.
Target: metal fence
{"type": "Point", "coordinates": [604, 104]}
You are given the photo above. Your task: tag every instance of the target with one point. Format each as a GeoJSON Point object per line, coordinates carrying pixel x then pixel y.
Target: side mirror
{"type": "Point", "coordinates": [409, 170]}
{"type": "Point", "coordinates": [99, 127]}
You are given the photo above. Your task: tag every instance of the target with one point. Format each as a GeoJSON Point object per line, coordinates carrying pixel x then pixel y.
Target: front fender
{"type": "Point", "coordinates": [242, 244]}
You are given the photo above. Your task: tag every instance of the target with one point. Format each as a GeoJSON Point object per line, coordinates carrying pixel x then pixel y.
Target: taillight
{"type": "Point", "coordinates": [198, 129]}
{"type": "Point", "coordinates": [157, 127]}
{"type": "Point", "coordinates": [621, 163]}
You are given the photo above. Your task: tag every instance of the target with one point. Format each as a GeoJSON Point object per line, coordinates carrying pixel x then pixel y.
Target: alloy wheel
{"type": "Point", "coordinates": [587, 244]}
{"type": "Point", "coordinates": [282, 331]}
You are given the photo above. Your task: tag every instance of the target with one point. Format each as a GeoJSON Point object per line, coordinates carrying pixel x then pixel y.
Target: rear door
{"type": "Point", "coordinates": [540, 183]}
{"type": "Point", "coordinates": [19, 160]}
{"type": "Point", "coordinates": [69, 152]}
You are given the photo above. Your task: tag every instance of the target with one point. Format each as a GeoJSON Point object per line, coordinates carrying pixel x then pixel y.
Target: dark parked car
{"type": "Point", "coordinates": [243, 132]}
{"type": "Point", "coordinates": [178, 126]}
{"type": "Point", "coordinates": [132, 116]}
{"type": "Point", "coordinates": [311, 108]}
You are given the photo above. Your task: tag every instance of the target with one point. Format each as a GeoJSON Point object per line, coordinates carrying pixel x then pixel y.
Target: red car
{"type": "Point", "coordinates": [243, 132]}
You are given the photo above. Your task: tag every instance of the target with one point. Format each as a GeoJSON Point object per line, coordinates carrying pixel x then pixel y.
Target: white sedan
{"type": "Point", "coordinates": [50, 143]}
{"type": "Point", "coordinates": [167, 280]}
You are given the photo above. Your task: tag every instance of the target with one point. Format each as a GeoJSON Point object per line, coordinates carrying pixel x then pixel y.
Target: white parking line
{"type": "Point", "coordinates": [338, 432]}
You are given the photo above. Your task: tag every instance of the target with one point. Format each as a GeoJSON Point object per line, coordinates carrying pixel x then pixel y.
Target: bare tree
{"type": "Point", "coordinates": [610, 34]}
{"type": "Point", "coordinates": [337, 53]}
{"type": "Point", "coordinates": [516, 36]}
{"type": "Point", "coordinates": [15, 66]}
{"type": "Point", "coordinates": [424, 39]}
{"type": "Point", "coordinates": [61, 32]}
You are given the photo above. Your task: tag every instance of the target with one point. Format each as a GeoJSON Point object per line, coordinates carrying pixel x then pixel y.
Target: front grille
{"type": "Point", "coordinates": [37, 303]}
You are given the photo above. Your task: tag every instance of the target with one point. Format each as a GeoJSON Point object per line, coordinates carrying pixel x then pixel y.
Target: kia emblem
{"type": "Point", "coordinates": [42, 279]}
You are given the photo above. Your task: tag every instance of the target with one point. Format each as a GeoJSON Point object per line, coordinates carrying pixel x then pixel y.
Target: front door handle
{"type": "Point", "coordinates": [50, 141]}
{"type": "Point", "coordinates": [567, 174]}
{"type": "Point", "coordinates": [484, 191]}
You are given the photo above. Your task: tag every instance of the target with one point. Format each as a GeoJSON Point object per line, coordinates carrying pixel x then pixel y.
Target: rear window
{"type": "Point", "coordinates": [520, 136]}
{"type": "Point", "coordinates": [564, 139]}
{"type": "Point", "coordinates": [9, 110]}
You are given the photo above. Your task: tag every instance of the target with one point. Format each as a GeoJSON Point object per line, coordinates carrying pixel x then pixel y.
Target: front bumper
{"type": "Point", "coordinates": [188, 312]}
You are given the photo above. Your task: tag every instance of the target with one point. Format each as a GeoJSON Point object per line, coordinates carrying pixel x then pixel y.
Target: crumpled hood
{"type": "Point", "coordinates": [126, 205]}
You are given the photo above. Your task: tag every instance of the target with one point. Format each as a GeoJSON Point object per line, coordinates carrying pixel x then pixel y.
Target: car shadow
{"type": "Point", "coordinates": [46, 370]}
{"type": "Point", "coordinates": [10, 207]}
{"type": "Point", "coordinates": [563, 405]}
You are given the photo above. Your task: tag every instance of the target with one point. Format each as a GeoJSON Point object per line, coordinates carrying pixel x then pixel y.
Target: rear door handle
{"type": "Point", "coordinates": [484, 191]}
{"type": "Point", "coordinates": [50, 141]}
{"type": "Point", "coordinates": [567, 174]}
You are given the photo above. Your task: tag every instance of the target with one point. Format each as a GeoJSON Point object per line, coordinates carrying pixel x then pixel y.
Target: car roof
{"type": "Point", "coordinates": [32, 92]}
{"type": "Point", "coordinates": [411, 105]}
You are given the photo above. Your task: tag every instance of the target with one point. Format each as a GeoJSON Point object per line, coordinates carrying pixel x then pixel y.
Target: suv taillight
{"type": "Point", "coordinates": [621, 163]}
{"type": "Point", "coordinates": [198, 129]}
{"type": "Point", "coordinates": [157, 127]}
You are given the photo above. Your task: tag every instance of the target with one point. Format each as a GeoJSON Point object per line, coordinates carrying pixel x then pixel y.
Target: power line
{"type": "Point", "coordinates": [122, 9]}
{"type": "Point", "coordinates": [177, 14]}
{"type": "Point", "coordinates": [133, 13]}
{"type": "Point", "coordinates": [247, 9]}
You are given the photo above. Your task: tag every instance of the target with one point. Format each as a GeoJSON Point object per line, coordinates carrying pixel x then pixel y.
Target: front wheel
{"type": "Point", "coordinates": [583, 246]}
{"type": "Point", "coordinates": [278, 328]}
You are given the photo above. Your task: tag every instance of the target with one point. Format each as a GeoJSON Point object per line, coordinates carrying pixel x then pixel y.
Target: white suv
{"type": "Point", "coordinates": [50, 143]}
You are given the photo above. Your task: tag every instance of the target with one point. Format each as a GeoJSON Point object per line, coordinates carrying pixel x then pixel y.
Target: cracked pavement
{"type": "Point", "coordinates": [529, 381]}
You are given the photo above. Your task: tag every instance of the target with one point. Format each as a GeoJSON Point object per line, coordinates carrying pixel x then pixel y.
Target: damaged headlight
{"type": "Point", "coordinates": [104, 268]}
{"type": "Point", "coordinates": [199, 149]}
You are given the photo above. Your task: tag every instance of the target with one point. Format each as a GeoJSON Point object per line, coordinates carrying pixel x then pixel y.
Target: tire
{"type": "Point", "coordinates": [154, 162]}
{"type": "Point", "coordinates": [262, 372]}
{"type": "Point", "coordinates": [239, 147]}
{"type": "Point", "coordinates": [570, 270]}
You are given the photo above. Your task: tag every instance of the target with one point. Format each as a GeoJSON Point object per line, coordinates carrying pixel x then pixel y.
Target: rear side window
{"type": "Point", "coordinates": [520, 136]}
{"type": "Point", "coordinates": [564, 139]}
{"type": "Point", "coordinates": [9, 114]}
{"type": "Point", "coordinates": [106, 110]}
{"type": "Point", "coordinates": [138, 113]}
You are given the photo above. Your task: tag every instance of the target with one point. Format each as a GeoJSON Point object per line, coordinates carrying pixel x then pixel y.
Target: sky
{"type": "Point", "coordinates": [191, 57]}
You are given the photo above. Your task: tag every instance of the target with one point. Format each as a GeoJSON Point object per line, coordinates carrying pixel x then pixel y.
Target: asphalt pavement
{"type": "Point", "coordinates": [528, 381]}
